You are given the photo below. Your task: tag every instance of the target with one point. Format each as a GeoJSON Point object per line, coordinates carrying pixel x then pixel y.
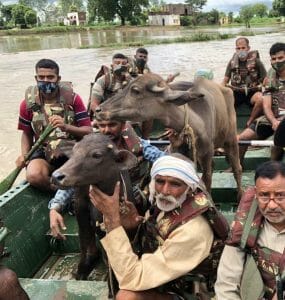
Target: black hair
{"type": "Point", "coordinates": [47, 64]}
{"type": "Point", "coordinates": [142, 50]}
{"type": "Point", "coordinates": [277, 47]}
{"type": "Point", "coordinates": [119, 55]}
{"type": "Point", "coordinates": [243, 38]}
{"type": "Point", "coordinates": [270, 170]}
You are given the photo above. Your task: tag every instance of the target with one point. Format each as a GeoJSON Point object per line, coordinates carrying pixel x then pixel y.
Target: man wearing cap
{"type": "Point", "coordinates": [176, 236]}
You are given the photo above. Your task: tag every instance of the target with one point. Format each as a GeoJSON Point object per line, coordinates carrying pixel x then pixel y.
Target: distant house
{"type": "Point", "coordinates": [163, 19]}
{"type": "Point", "coordinates": [178, 9]}
{"type": "Point", "coordinates": [224, 20]}
{"type": "Point", "coordinates": [75, 18]}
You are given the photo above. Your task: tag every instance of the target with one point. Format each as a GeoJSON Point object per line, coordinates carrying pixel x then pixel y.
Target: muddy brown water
{"type": "Point", "coordinates": [79, 66]}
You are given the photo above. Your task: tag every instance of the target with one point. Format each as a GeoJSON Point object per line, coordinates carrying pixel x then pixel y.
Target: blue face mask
{"type": "Point", "coordinates": [242, 55]}
{"type": "Point", "coordinates": [47, 87]}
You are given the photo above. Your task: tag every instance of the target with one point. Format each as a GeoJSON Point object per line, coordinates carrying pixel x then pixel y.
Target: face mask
{"type": "Point", "coordinates": [140, 62]}
{"type": "Point", "coordinates": [242, 55]}
{"type": "Point", "coordinates": [278, 66]}
{"type": "Point", "coordinates": [47, 87]}
{"type": "Point", "coordinates": [119, 69]}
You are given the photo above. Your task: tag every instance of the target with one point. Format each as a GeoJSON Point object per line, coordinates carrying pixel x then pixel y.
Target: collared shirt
{"type": "Point", "coordinates": [232, 262]}
{"type": "Point", "coordinates": [184, 249]}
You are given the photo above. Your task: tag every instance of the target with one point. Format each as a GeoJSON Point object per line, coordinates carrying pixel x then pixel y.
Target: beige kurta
{"type": "Point", "coordinates": [180, 253]}
{"type": "Point", "coordinates": [232, 261]}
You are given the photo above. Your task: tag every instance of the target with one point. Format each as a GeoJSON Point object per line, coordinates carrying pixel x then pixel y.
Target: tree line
{"type": "Point", "coordinates": [28, 13]}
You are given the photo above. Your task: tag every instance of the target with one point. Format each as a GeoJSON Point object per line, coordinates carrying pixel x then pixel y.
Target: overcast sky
{"type": "Point", "coordinates": [221, 5]}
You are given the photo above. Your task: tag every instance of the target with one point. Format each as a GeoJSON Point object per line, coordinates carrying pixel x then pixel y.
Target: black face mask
{"type": "Point", "coordinates": [140, 62]}
{"type": "Point", "coordinates": [120, 69]}
{"type": "Point", "coordinates": [278, 66]}
{"type": "Point", "coordinates": [47, 87]}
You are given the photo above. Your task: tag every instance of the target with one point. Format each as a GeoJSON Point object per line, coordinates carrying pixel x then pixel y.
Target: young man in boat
{"type": "Point", "coordinates": [244, 75]}
{"type": "Point", "coordinates": [273, 103]}
{"type": "Point", "coordinates": [173, 238]}
{"type": "Point", "coordinates": [49, 102]}
{"type": "Point", "coordinates": [111, 81]}
{"type": "Point", "coordinates": [124, 136]}
{"type": "Point", "coordinates": [252, 264]}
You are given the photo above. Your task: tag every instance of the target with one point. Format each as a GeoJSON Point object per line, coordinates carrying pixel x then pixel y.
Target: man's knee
{"type": "Point", "coordinates": [8, 278]}
{"type": "Point", "coordinates": [127, 295]}
{"type": "Point", "coordinates": [256, 99]}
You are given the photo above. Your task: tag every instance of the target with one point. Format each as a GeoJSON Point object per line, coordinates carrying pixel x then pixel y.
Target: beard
{"type": "Point", "coordinates": [168, 203]}
{"type": "Point", "coordinates": [274, 216]}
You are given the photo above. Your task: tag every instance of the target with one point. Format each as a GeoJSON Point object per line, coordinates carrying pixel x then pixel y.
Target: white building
{"type": "Point", "coordinates": [75, 18]}
{"type": "Point", "coordinates": [163, 19]}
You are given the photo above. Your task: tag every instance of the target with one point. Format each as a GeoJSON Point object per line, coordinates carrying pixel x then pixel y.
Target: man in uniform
{"type": "Point", "coordinates": [176, 236]}
{"type": "Point", "coordinates": [114, 79]}
{"type": "Point", "coordinates": [50, 101]}
{"type": "Point", "coordinates": [138, 64]}
{"type": "Point", "coordinates": [254, 259]}
{"type": "Point", "coordinates": [273, 103]}
{"type": "Point", "coordinates": [124, 136]}
{"type": "Point", "coordinates": [244, 75]}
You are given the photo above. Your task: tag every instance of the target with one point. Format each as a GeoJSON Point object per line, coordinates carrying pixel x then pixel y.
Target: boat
{"type": "Point", "coordinates": [45, 266]}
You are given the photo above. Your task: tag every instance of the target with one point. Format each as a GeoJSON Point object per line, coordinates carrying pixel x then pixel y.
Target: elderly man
{"type": "Point", "coordinates": [176, 235]}
{"type": "Point", "coordinates": [254, 258]}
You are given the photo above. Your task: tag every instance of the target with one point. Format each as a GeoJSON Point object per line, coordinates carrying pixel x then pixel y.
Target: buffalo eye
{"type": "Point", "coordinates": [96, 155]}
{"type": "Point", "coordinates": [135, 90]}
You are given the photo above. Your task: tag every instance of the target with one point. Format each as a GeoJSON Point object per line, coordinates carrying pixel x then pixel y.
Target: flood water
{"type": "Point", "coordinates": [80, 66]}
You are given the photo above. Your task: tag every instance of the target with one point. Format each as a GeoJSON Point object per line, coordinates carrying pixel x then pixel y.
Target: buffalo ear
{"type": "Point", "coordinates": [182, 97]}
{"type": "Point", "coordinates": [65, 148]}
{"type": "Point", "coordinates": [125, 159]}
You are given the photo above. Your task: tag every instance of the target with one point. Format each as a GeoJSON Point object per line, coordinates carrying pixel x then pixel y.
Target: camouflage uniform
{"type": "Point", "coordinates": [244, 234]}
{"type": "Point", "coordinates": [276, 88]}
{"type": "Point", "coordinates": [134, 70]}
{"type": "Point", "coordinates": [157, 229]}
{"type": "Point", "coordinates": [41, 113]}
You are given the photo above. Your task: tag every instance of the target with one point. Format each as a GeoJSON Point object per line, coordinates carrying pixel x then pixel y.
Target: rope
{"type": "Point", "coordinates": [187, 135]}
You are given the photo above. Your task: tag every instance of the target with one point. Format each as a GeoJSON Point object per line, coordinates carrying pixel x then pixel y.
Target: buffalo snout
{"type": "Point", "coordinates": [57, 178]}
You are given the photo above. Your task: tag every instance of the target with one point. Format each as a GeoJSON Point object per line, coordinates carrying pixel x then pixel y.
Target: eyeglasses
{"type": "Point", "coordinates": [278, 197]}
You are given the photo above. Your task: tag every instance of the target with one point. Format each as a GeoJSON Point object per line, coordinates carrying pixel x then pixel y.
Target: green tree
{"type": "Point", "coordinates": [126, 10]}
{"type": "Point", "coordinates": [260, 10]}
{"type": "Point", "coordinates": [214, 16]}
{"type": "Point", "coordinates": [6, 12]}
{"type": "Point", "coordinates": [18, 14]}
{"type": "Point", "coordinates": [196, 4]}
{"type": "Point", "coordinates": [231, 17]}
{"type": "Point", "coordinates": [65, 5]}
{"type": "Point", "coordinates": [246, 13]}
{"type": "Point", "coordinates": [31, 17]}
{"type": "Point", "coordinates": [279, 5]}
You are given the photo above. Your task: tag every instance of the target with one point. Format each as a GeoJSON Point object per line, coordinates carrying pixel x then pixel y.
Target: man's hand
{"type": "Point", "coordinates": [108, 205]}
{"type": "Point", "coordinates": [275, 124]}
{"type": "Point", "coordinates": [56, 224]}
{"type": "Point", "coordinates": [130, 219]}
{"type": "Point", "coordinates": [57, 122]}
{"type": "Point", "coordinates": [20, 161]}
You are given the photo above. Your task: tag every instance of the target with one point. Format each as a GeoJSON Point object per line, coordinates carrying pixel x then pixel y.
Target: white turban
{"type": "Point", "coordinates": [172, 166]}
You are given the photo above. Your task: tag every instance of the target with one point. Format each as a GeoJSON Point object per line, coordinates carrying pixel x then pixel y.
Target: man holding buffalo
{"type": "Point", "coordinates": [176, 235]}
{"type": "Point", "coordinates": [124, 136]}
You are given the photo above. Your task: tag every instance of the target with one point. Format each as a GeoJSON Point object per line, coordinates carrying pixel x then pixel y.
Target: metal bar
{"type": "Point", "coordinates": [256, 143]}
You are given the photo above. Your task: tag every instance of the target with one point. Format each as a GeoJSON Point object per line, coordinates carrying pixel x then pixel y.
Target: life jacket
{"type": "Point", "coordinates": [41, 112]}
{"type": "Point", "coordinates": [277, 90]}
{"type": "Point", "coordinates": [134, 70]}
{"type": "Point", "coordinates": [244, 234]}
{"type": "Point", "coordinates": [157, 228]}
{"type": "Point", "coordinates": [245, 74]}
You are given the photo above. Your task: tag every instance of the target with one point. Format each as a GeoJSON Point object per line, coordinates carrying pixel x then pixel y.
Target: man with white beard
{"type": "Point", "coordinates": [172, 239]}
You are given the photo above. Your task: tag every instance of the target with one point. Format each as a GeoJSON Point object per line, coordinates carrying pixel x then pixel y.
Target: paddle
{"type": "Point", "coordinates": [6, 184]}
{"type": "Point", "coordinates": [279, 136]}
